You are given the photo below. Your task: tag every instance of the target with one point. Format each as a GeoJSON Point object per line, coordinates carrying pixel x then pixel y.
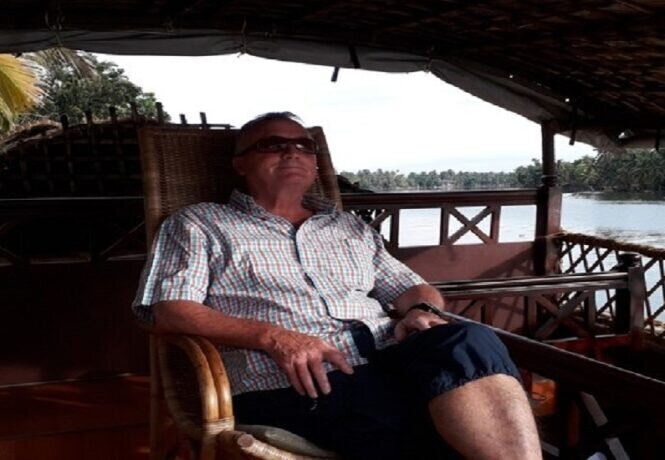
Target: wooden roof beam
{"type": "Point", "coordinates": [600, 124]}
{"type": "Point", "coordinates": [632, 30]}
{"type": "Point", "coordinates": [463, 6]}
{"type": "Point", "coordinates": [314, 10]}
{"type": "Point", "coordinates": [175, 8]}
{"type": "Point", "coordinates": [438, 10]}
{"type": "Point", "coordinates": [635, 6]}
{"type": "Point", "coordinates": [533, 75]}
{"type": "Point", "coordinates": [145, 5]}
{"type": "Point", "coordinates": [516, 37]}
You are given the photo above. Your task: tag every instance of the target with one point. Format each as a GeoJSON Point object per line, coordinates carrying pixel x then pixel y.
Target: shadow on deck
{"type": "Point", "coordinates": [100, 420]}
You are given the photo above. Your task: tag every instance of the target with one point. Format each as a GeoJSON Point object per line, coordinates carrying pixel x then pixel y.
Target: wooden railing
{"type": "Point", "coordinates": [71, 230]}
{"type": "Point", "coordinates": [95, 158]}
{"type": "Point", "coordinates": [561, 309]}
{"type": "Point", "coordinates": [589, 254]}
{"type": "Point", "coordinates": [383, 206]}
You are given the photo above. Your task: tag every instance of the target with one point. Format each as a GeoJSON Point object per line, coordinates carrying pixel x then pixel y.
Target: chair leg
{"type": "Point", "coordinates": [208, 448]}
{"type": "Point", "coordinates": [235, 445]}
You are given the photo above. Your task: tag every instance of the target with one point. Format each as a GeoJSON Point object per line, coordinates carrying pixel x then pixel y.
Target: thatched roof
{"type": "Point", "coordinates": [597, 66]}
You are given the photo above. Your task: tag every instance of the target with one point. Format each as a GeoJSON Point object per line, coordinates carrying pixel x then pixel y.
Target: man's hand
{"type": "Point", "coordinates": [415, 320]}
{"type": "Point", "coordinates": [301, 357]}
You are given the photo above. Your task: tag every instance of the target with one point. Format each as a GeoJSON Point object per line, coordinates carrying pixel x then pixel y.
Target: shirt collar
{"type": "Point", "coordinates": [246, 203]}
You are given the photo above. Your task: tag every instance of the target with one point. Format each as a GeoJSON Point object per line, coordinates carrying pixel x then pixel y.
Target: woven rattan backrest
{"type": "Point", "coordinates": [182, 166]}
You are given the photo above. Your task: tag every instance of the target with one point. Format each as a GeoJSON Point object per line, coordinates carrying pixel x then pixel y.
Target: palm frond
{"type": "Point", "coordinates": [82, 66]}
{"type": "Point", "coordinates": [19, 90]}
{"type": "Point", "coordinates": [6, 116]}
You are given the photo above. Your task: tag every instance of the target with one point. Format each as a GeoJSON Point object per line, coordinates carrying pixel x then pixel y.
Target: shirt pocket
{"type": "Point", "coordinates": [348, 262]}
{"type": "Point", "coordinates": [273, 265]}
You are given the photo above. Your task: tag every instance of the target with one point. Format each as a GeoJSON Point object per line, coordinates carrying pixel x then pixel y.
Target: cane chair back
{"type": "Point", "coordinates": [183, 166]}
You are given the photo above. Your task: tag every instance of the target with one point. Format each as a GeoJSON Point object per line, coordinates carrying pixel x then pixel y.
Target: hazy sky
{"type": "Point", "coordinates": [410, 122]}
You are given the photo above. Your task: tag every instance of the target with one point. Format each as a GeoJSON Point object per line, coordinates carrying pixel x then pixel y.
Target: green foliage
{"type": "Point", "coordinates": [529, 176]}
{"type": "Point", "coordinates": [638, 171]}
{"type": "Point", "coordinates": [18, 89]}
{"type": "Point", "coordinates": [381, 180]}
{"type": "Point", "coordinates": [66, 92]}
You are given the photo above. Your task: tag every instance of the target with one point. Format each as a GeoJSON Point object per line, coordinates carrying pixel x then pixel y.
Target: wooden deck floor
{"type": "Point", "coordinates": [99, 420]}
{"type": "Point", "coordinates": [108, 420]}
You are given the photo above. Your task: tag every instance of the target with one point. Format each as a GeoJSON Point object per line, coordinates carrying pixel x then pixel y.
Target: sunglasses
{"type": "Point", "coordinates": [278, 144]}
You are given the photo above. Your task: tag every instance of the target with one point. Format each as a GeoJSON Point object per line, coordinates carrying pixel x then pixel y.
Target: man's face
{"type": "Point", "coordinates": [274, 171]}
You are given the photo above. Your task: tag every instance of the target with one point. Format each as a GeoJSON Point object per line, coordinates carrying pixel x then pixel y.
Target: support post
{"type": "Point", "coordinates": [629, 317]}
{"type": "Point", "coordinates": [548, 207]}
{"type": "Point", "coordinates": [160, 113]}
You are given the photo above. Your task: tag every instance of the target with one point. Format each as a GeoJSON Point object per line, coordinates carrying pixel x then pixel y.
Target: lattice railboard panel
{"type": "Point", "coordinates": [588, 254]}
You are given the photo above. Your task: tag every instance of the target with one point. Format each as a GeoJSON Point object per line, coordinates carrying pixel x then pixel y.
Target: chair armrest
{"type": "Point", "coordinates": [195, 383]}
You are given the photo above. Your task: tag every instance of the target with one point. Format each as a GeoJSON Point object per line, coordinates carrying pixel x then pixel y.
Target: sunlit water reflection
{"type": "Point", "coordinates": [629, 219]}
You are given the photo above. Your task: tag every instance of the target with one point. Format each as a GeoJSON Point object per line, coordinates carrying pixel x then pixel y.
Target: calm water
{"type": "Point", "coordinates": [623, 217]}
{"type": "Point", "coordinates": [635, 219]}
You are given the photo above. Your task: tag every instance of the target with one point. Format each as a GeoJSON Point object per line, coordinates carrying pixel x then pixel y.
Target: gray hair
{"type": "Point", "coordinates": [260, 120]}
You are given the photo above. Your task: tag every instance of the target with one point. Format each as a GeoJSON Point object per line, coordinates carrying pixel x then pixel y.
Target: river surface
{"type": "Point", "coordinates": [630, 218]}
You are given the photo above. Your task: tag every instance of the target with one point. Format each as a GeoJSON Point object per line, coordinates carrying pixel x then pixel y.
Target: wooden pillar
{"type": "Point", "coordinates": [629, 318]}
{"type": "Point", "coordinates": [548, 212]}
{"type": "Point", "coordinates": [160, 113]}
{"type": "Point", "coordinates": [547, 132]}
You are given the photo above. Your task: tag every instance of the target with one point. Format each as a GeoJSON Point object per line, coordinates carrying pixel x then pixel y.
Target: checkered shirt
{"type": "Point", "coordinates": [245, 262]}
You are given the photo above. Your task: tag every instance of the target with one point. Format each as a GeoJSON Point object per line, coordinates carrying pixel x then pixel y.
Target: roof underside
{"type": "Point", "coordinates": [595, 66]}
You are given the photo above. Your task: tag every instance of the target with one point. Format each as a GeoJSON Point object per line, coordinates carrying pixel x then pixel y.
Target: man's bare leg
{"type": "Point", "coordinates": [488, 418]}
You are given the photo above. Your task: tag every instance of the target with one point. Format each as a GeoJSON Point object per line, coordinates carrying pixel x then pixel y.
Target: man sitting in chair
{"type": "Point", "coordinates": [301, 299]}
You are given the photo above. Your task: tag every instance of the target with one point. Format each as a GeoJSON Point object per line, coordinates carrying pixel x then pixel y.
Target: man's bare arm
{"type": "Point", "coordinates": [188, 317]}
{"type": "Point", "coordinates": [422, 293]}
{"type": "Point", "coordinates": [300, 356]}
{"type": "Point", "coordinates": [417, 320]}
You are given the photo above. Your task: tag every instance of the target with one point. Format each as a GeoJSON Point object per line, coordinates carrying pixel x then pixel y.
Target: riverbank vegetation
{"type": "Point", "coordinates": [642, 171]}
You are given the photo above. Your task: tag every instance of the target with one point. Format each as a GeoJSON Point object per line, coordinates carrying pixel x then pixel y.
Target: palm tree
{"type": "Point", "coordinates": [19, 89]}
{"type": "Point", "coordinates": [20, 79]}
{"type": "Point", "coordinates": [80, 63]}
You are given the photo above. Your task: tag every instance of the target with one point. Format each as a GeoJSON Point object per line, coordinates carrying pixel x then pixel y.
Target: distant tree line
{"type": "Point", "coordinates": [630, 172]}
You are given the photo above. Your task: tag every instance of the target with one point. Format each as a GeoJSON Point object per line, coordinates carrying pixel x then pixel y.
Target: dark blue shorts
{"type": "Point", "coordinates": [380, 412]}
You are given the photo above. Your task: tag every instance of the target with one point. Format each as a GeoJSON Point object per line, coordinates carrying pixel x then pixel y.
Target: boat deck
{"type": "Point", "coordinates": [100, 419]}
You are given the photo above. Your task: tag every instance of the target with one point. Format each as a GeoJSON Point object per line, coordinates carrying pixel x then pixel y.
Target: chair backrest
{"type": "Point", "coordinates": [184, 165]}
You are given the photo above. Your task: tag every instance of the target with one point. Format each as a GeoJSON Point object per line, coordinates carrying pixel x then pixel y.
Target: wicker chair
{"type": "Point", "coordinates": [189, 387]}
